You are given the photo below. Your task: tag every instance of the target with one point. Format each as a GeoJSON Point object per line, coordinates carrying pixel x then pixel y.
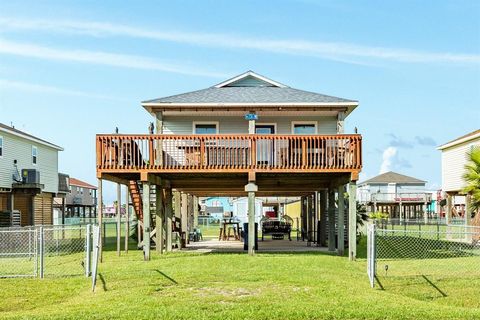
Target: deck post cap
{"type": "Point", "coordinates": [251, 187]}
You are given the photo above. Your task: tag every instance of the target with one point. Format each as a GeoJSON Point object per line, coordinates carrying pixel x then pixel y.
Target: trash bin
{"type": "Point", "coordinates": [245, 236]}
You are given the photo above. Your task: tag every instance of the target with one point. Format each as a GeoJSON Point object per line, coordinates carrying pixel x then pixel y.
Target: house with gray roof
{"type": "Point", "coordinates": [246, 135]}
{"type": "Point", "coordinates": [401, 196]}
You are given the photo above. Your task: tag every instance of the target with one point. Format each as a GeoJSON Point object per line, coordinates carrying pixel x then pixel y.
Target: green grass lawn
{"type": "Point", "coordinates": [235, 286]}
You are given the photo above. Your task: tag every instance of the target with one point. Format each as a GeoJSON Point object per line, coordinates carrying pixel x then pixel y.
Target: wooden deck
{"type": "Point", "coordinates": [228, 153]}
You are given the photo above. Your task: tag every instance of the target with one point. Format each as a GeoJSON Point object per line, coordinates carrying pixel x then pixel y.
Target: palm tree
{"type": "Point", "coordinates": [472, 178]}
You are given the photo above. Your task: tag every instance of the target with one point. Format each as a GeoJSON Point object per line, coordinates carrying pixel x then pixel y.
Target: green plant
{"type": "Point", "coordinates": [472, 178]}
{"type": "Point", "coordinates": [378, 215]}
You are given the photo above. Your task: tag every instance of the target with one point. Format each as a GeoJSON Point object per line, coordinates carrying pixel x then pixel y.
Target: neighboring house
{"type": "Point", "coordinates": [246, 134]}
{"type": "Point", "coordinates": [216, 206]}
{"type": "Point", "coordinates": [400, 196]}
{"type": "Point", "coordinates": [454, 159]}
{"type": "Point", "coordinates": [81, 201]}
{"type": "Point", "coordinates": [29, 178]}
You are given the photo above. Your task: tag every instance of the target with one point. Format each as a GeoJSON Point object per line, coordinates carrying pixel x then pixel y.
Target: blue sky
{"type": "Point", "coordinates": [69, 70]}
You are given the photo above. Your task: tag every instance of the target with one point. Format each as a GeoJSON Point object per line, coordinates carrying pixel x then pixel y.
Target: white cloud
{"type": "Point", "coordinates": [387, 159]}
{"type": "Point", "coordinates": [29, 87]}
{"type": "Point", "coordinates": [346, 52]}
{"type": "Point", "coordinates": [98, 57]}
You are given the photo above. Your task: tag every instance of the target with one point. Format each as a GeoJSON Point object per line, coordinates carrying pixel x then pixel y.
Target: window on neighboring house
{"type": "Point", "coordinates": [1, 146]}
{"type": "Point", "coordinates": [34, 154]}
{"type": "Point", "coordinates": [81, 191]}
{"type": "Point", "coordinates": [304, 127]}
{"type": "Point", "coordinates": [205, 128]}
{"type": "Point", "coordinates": [90, 192]}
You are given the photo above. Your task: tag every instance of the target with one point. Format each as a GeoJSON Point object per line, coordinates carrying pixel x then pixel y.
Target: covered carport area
{"type": "Point", "coordinates": [328, 216]}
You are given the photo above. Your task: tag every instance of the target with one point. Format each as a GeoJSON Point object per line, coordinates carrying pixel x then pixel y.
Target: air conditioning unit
{"type": "Point", "coordinates": [30, 176]}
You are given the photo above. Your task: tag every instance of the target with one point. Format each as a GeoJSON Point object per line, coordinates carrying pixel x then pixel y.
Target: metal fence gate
{"type": "Point", "coordinates": [453, 252]}
{"type": "Point", "coordinates": [45, 251]}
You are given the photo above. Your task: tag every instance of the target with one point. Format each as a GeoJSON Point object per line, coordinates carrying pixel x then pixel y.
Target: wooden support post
{"type": "Point", "coordinates": [341, 223]}
{"type": "Point", "coordinates": [184, 216]}
{"type": "Point", "coordinates": [119, 217]}
{"type": "Point", "coordinates": [64, 206]}
{"type": "Point", "coordinates": [177, 199]}
{"type": "Point", "coordinates": [251, 188]}
{"type": "Point", "coordinates": [195, 211]}
{"type": "Point", "coordinates": [331, 220]}
{"type": "Point", "coordinates": [468, 219]}
{"type": "Point", "coordinates": [316, 218]}
{"type": "Point", "coordinates": [448, 211]}
{"type": "Point", "coordinates": [159, 222]}
{"type": "Point", "coordinates": [400, 206]}
{"type": "Point", "coordinates": [425, 213]}
{"type": "Point", "coordinates": [310, 217]}
{"type": "Point", "coordinates": [168, 216]}
{"type": "Point", "coordinates": [352, 221]}
{"type": "Point", "coordinates": [127, 218]}
{"type": "Point", "coordinates": [323, 219]}
{"type": "Point", "coordinates": [146, 220]}
{"type": "Point", "coordinates": [100, 218]}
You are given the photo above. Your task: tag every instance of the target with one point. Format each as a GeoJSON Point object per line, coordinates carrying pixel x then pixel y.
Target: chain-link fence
{"type": "Point", "coordinates": [392, 254]}
{"type": "Point", "coordinates": [45, 251]}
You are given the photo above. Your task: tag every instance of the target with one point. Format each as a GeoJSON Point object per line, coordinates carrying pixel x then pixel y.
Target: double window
{"type": "Point", "coordinates": [34, 155]}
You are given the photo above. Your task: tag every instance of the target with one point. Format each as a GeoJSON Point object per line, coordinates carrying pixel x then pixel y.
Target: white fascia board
{"type": "Point", "coordinates": [459, 141]}
{"type": "Point", "coordinates": [256, 104]}
{"type": "Point", "coordinates": [48, 144]}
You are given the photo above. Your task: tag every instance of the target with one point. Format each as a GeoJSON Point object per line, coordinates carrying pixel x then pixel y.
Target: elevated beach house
{"type": "Point", "coordinates": [454, 159]}
{"type": "Point", "coordinates": [29, 178]}
{"type": "Point", "coordinates": [401, 197]}
{"type": "Point", "coordinates": [247, 136]}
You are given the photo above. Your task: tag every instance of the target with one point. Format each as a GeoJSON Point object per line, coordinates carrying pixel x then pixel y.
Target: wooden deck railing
{"type": "Point", "coordinates": [229, 153]}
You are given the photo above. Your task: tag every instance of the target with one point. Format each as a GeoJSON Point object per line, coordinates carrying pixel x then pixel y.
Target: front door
{"type": "Point", "coordinates": [265, 147]}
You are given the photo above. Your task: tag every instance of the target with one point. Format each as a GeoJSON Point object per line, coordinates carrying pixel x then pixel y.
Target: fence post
{"type": "Point", "coordinates": [35, 248]}
{"type": "Point", "coordinates": [87, 250]}
{"type": "Point", "coordinates": [42, 252]}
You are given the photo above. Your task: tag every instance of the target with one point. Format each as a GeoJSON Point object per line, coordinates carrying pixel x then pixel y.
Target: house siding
{"type": "Point", "coordinates": [237, 125]}
{"type": "Point", "coordinates": [454, 160]}
{"type": "Point", "coordinates": [20, 149]}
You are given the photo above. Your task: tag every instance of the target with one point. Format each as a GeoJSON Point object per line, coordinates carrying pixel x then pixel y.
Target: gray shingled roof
{"type": "Point", "coordinates": [249, 95]}
{"type": "Point", "coordinates": [238, 92]}
{"type": "Point", "coordinates": [392, 177]}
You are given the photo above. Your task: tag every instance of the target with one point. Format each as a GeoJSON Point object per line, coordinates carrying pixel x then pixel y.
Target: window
{"type": "Point", "coordinates": [205, 127]}
{"type": "Point", "coordinates": [34, 155]}
{"type": "Point", "coordinates": [301, 127]}
{"type": "Point", "coordinates": [1, 146]}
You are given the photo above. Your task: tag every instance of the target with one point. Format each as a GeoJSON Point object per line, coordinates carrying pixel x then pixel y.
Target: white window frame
{"type": "Point", "coordinates": [34, 148]}
{"type": "Point", "coordinates": [274, 124]}
{"type": "Point", "coordinates": [216, 123]}
{"type": "Point", "coordinates": [2, 146]}
{"type": "Point", "coordinates": [315, 123]}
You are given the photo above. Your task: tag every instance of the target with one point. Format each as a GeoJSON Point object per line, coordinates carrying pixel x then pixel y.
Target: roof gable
{"type": "Point", "coordinates": [250, 79]}
{"type": "Point", "coordinates": [27, 136]}
{"type": "Point", "coordinates": [392, 177]}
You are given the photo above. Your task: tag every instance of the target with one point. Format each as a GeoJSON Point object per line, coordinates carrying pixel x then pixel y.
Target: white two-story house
{"type": "Point", "coordinates": [29, 178]}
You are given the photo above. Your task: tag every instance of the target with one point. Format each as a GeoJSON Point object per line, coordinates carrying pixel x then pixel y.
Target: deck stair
{"type": "Point", "coordinates": [136, 194]}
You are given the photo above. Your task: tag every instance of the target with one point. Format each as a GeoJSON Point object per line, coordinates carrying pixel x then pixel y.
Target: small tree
{"type": "Point", "coordinates": [472, 178]}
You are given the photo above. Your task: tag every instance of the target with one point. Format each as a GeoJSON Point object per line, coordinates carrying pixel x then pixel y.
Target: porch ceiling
{"type": "Point", "coordinates": [233, 184]}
